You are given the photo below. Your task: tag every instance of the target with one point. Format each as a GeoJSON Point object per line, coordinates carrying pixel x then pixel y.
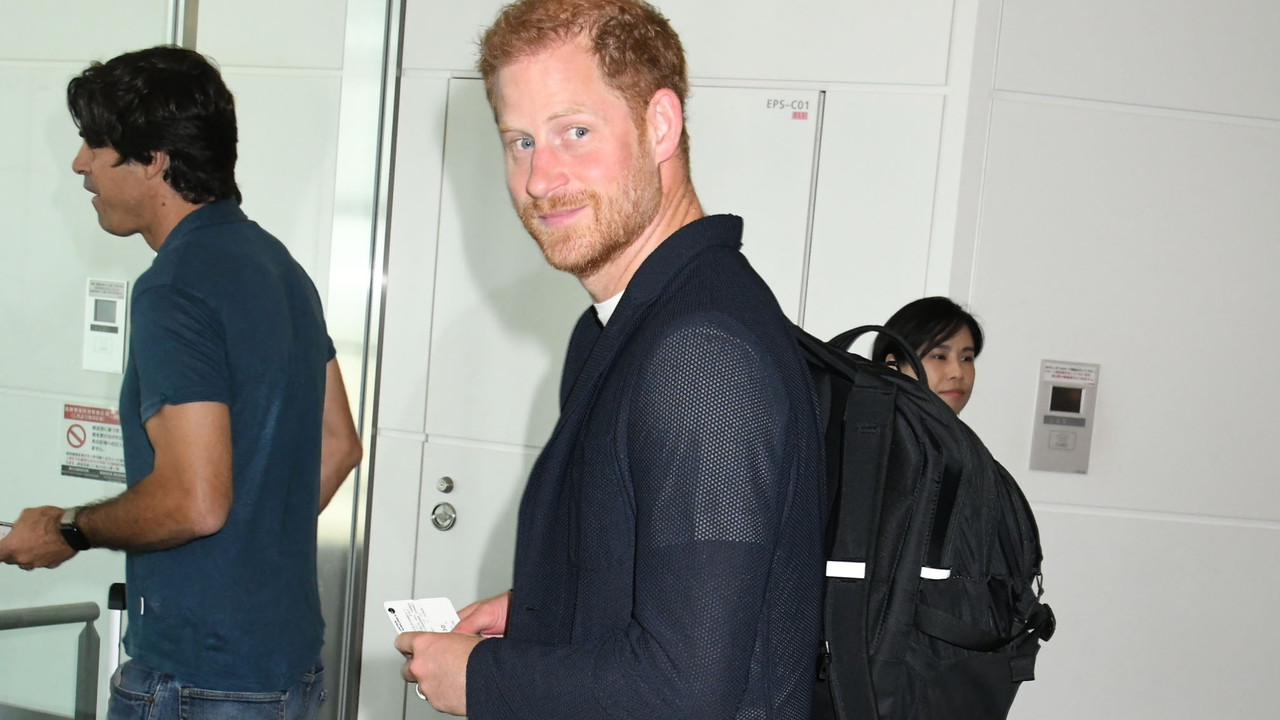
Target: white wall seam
{"type": "Point", "coordinates": [951, 46]}
{"type": "Point", "coordinates": [938, 191]}
{"type": "Point", "coordinates": [876, 88]}
{"type": "Point", "coordinates": [813, 205]}
{"type": "Point", "coordinates": [986, 143]}
{"type": "Point", "coordinates": [835, 85]}
{"type": "Point", "coordinates": [435, 261]}
{"type": "Point", "coordinates": [75, 66]}
{"type": "Point", "coordinates": [277, 71]}
{"type": "Point", "coordinates": [482, 444]}
{"type": "Point", "coordinates": [1174, 517]}
{"type": "Point", "coordinates": [62, 397]}
{"type": "Point", "coordinates": [1135, 108]}
{"type": "Point", "coordinates": [402, 435]}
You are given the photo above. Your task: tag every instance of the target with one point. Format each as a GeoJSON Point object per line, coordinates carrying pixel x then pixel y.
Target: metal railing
{"type": "Point", "coordinates": [86, 707]}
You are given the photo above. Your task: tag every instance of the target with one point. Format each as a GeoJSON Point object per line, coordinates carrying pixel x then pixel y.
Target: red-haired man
{"type": "Point", "coordinates": [668, 555]}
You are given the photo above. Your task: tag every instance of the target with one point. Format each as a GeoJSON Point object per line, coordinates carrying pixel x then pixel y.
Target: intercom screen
{"type": "Point", "coordinates": [104, 311]}
{"type": "Point", "coordinates": [1066, 399]}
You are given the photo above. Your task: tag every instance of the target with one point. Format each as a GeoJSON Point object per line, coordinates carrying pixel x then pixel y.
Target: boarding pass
{"type": "Point", "coordinates": [426, 615]}
{"type": "Point", "coordinates": [4, 529]}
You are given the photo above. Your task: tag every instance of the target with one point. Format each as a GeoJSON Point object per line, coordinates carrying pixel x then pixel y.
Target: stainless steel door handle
{"type": "Point", "coordinates": [443, 516]}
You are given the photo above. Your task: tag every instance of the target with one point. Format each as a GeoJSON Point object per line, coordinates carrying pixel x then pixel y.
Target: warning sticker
{"type": "Point", "coordinates": [93, 447]}
{"type": "Point", "coordinates": [110, 289]}
{"type": "Point", "coordinates": [1083, 374]}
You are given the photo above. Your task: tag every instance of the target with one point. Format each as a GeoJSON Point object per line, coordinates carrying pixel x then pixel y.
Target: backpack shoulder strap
{"type": "Point", "coordinates": [866, 432]}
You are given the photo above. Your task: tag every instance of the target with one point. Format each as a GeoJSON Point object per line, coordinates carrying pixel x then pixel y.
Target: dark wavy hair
{"type": "Point", "coordinates": [162, 99]}
{"type": "Point", "coordinates": [927, 323]}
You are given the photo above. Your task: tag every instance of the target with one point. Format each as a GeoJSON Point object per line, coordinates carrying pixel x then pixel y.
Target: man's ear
{"type": "Point", "coordinates": [158, 165]}
{"type": "Point", "coordinates": [665, 118]}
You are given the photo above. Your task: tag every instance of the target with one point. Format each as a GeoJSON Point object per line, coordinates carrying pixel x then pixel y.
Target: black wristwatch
{"type": "Point", "coordinates": [72, 533]}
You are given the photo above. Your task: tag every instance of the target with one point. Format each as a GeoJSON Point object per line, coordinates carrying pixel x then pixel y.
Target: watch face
{"type": "Point", "coordinates": [75, 538]}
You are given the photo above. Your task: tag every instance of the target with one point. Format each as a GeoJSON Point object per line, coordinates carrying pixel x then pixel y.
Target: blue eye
{"type": "Point", "coordinates": [524, 144]}
{"type": "Point", "coordinates": [578, 132]}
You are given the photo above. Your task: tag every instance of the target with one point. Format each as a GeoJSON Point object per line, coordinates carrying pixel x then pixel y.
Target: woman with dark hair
{"type": "Point", "coordinates": [948, 340]}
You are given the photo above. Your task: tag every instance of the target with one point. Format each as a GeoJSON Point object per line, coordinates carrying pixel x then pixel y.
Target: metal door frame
{"type": "Point", "coordinates": [357, 296]}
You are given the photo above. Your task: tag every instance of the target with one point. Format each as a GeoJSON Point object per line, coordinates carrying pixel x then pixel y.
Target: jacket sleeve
{"type": "Point", "coordinates": [703, 437]}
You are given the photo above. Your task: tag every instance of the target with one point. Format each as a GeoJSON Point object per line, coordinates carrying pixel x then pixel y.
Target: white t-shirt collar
{"type": "Point", "coordinates": [605, 308]}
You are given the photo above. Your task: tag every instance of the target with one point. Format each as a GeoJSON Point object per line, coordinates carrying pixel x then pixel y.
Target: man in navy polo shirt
{"type": "Point", "coordinates": [236, 426]}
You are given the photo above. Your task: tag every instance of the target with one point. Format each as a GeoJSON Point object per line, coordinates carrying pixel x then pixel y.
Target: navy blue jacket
{"type": "Point", "coordinates": [669, 549]}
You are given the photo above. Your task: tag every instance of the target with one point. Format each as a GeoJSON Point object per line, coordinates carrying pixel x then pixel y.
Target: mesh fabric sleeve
{"type": "Point", "coordinates": [179, 348]}
{"type": "Point", "coordinates": [704, 444]}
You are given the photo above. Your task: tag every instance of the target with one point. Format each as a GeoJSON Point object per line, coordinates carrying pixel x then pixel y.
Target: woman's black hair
{"type": "Point", "coordinates": [162, 99]}
{"type": "Point", "coordinates": [925, 324]}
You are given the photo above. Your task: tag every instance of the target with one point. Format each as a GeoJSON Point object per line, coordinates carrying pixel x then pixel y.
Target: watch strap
{"type": "Point", "coordinates": [71, 532]}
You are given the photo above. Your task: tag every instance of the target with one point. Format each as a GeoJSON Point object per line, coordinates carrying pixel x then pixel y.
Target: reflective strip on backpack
{"type": "Point", "coordinates": [858, 571]}
{"type": "Point", "coordinates": [851, 570]}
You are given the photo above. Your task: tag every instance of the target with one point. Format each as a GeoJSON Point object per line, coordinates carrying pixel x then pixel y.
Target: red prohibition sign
{"type": "Point", "coordinates": [76, 436]}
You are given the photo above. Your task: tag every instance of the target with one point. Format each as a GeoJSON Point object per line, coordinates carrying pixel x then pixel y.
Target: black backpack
{"type": "Point", "coordinates": [932, 604]}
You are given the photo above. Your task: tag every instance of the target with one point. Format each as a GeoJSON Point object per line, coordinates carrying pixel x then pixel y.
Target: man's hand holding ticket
{"type": "Point", "coordinates": [435, 659]}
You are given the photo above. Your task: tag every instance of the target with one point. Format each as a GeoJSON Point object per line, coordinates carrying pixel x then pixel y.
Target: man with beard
{"type": "Point", "coordinates": [668, 556]}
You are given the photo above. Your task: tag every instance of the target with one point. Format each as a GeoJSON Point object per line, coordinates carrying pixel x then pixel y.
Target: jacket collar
{"type": "Point", "coordinates": [592, 348]}
{"type": "Point", "coordinates": [671, 256]}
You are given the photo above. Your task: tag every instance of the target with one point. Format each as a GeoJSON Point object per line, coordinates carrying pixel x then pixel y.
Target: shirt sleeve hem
{"type": "Point", "coordinates": [182, 397]}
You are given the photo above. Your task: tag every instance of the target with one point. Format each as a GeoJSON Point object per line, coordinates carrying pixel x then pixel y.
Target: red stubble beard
{"type": "Point", "coordinates": [583, 248]}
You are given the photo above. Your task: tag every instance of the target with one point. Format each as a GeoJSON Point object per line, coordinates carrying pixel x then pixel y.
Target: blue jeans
{"type": "Point", "coordinates": [140, 693]}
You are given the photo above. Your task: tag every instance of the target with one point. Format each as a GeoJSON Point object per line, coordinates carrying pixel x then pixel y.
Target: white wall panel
{"type": "Point", "coordinates": [392, 552]}
{"type": "Point", "coordinates": [1146, 244]}
{"type": "Point", "coordinates": [865, 41]}
{"type": "Point", "coordinates": [1156, 619]}
{"type": "Point", "coordinates": [502, 316]}
{"type": "Point", "coordinates": [288, 155]}
{"type": "Point", "coordinates": [80, 30]}
{"type": "Point", "coordinates": [852, 41]}
{"type": "Point", "coordinates": [875, 199]}
{"type": "Point", "coordinates": [411, 268]}
{"type": "Point", "coordinates": [1212, 55]}
{"type": "Point", "coordinates": [280, 33]}
{"type": "Point", "coordinates": [442, 35]}
{"type": "Point", "coordinates": [474, 559]}
{"type": "Point", "coordinates": [52, 242]}
{"type": "Point", "coordinates": [768, 186]}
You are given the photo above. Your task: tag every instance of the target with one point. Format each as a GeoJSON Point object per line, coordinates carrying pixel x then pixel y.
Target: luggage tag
{"type": "Point", "coordinates": [425, 615]}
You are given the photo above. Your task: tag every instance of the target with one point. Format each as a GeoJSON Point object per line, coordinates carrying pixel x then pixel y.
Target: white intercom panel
{"type": "Point", "coordinates": [1063, 429]}
{"type": "Point", "coordinates": [105, 310]}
